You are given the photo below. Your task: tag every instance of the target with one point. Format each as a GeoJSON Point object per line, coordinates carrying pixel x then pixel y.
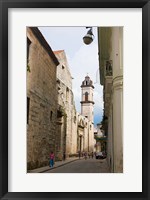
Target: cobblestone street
{"type": "Point", "coordinates": [83, 166]}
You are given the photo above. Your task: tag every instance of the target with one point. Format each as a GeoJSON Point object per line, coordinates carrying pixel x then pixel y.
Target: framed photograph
{"type": "Point", "coordinates": [74, 99]}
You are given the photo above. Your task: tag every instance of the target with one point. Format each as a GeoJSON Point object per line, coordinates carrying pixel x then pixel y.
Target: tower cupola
{"type": "Point", "coordinates": [87, 82]}
{"type": "Point", "coordinates": [87, 102]}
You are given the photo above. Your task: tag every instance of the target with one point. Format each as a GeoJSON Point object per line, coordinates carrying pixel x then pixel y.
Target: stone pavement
{"type": "Point", "coordinates": [57, 164]}
{"type": "Point", "coordinates": [83, 166]}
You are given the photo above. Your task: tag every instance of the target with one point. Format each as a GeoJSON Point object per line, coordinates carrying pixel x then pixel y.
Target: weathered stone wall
{"type": "Point", "coordinates": [41, 91]}
{"type": "Point", "coordinates": [66, 102]}
{"type": "Point", "coordinates": [63, 72]}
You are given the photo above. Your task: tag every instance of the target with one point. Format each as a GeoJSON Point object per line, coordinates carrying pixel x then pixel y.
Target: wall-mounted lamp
{"type": "Point", "coordinates": [88, 38]}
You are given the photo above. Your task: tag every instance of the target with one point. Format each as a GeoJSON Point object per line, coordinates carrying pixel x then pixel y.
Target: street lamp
{"type": "Point", "coordinates": [88, 38]}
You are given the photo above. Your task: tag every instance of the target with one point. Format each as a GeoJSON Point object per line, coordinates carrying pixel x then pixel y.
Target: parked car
{"type": "Point", "coordinates": [100, 155]}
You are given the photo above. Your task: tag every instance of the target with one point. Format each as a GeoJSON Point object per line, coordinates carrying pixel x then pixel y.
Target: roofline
{"type": "Point", "coordinates": [44, 43]}
{"type": "Point", "coordinates": [58, 51]}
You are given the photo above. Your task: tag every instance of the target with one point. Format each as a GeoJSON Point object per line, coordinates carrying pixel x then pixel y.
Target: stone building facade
{"type": "Point", "coordinates": [110, 42]}
{"type": "Point", "coordinates": [66, 108]}
{"type": "Point", "coordinates": [41, 99]}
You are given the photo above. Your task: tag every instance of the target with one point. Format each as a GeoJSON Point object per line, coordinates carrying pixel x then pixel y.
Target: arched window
{"type": "Point", "coordinates": [86, 96]}
{"type": "Point", "coordinates": [81, 122]}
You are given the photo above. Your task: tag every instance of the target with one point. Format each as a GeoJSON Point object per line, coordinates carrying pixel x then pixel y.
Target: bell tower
{"type": "Point", "coordinates": [87, 103]}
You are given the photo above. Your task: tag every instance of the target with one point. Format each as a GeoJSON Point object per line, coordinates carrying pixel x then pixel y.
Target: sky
{"type": "Point", "coordinates": [82, 60]}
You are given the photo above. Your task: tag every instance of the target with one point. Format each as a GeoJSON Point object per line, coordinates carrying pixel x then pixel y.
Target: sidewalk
{"type": "Point", "coordinates": [57, 164]}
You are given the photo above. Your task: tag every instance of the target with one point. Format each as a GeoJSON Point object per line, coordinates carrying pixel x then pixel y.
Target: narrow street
{"type": "Point", "coordinates": [69, 109]}
{"type": "Point", "coordinates": [83, 166]}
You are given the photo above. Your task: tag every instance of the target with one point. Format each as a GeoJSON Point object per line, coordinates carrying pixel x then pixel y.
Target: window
{"type": "Point", "coordinates": [28, 106]}
{"type": "Point", "coordinates": [86, 96]}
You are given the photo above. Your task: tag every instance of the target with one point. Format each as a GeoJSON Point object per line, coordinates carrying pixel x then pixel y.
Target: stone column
{"type": "Point", "coordinates": [117, 98]}
{"type": "Point", "coordinates": [117, 124]}
{"type": "Point", "coordinates": [110, 139]}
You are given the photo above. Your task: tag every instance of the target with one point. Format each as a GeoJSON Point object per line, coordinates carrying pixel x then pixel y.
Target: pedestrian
{"type": "Point", "coordinates": [52, 159]}
{"type": "Point", "coordinates": [89, 154]}
{"type": "Point", "coordinates": [92, 154]}
{"type": "Point", "coordinates": [85, 155]}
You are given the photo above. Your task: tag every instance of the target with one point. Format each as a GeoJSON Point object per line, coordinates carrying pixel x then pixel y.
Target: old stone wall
{"type": "Point", "coordinates": [66, 102]}
{"type": "Point", "coordinates": [42, 99]}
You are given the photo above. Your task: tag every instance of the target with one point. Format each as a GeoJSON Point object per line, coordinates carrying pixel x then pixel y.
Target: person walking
{"type": "Point", "coordinates": [52, 159]}
{"type": "Point", "coordinates": [92, 155]}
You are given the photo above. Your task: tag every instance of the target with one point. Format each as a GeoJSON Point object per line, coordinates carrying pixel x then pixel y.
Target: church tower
{"type": "Point", "coordinates": [87, 103]}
